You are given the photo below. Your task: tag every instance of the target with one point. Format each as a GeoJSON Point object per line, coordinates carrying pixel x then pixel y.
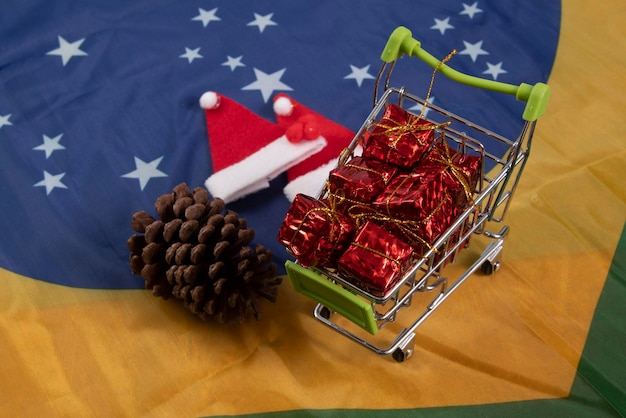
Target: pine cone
{"type": "Point", "coordinates": [197, 251]}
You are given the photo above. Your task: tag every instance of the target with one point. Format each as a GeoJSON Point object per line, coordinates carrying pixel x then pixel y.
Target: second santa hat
{"type": "Point", "coordinates": [309, 176]}
{"type": "Point", "coordinates": [248, 151]}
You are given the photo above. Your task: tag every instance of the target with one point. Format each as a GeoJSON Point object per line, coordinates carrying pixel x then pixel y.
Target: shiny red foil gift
{"type": "Point", "coordinates": [423, 233]}
{"type": "Point", "coordinates": [376, 260]}
{"type": "Point", "coordinates": [461, 172]}
{"type": "Point", "coordinates": [315, 232]}
{"type": "Point", "coordinates": [412, 196]}
{"type": "Point", "coordinates": [417, 207]}
{"type": "Point", "coordinates": [359, 181]}
{"type": "Point", "coordinates": [399, 138]}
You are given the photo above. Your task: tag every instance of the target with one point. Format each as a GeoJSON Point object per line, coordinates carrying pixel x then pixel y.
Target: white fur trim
{"type": "Point", "coordinates": [254, 172]}
{"type": "Point", "coordinates": [311, 183]}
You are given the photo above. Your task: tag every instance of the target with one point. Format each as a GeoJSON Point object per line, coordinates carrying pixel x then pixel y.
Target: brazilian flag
{"type": "Point", "coordinates": [99, 116]}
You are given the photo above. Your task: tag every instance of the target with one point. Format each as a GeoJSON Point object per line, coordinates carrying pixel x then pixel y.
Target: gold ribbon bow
{"type": "Point", "coordinates": [446, 159]}
{"type": "Point", "coordinates": [408, 227]}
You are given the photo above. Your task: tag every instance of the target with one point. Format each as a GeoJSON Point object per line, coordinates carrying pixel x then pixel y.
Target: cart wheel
{"type": "Point", "coordinates": [325, 312]}
{"type": "Point", "coordinates": [405, 349]}
{"type": "Point", "coordinates": [400, 355]}
{"type": "Point", "coordinates": [490, 267]}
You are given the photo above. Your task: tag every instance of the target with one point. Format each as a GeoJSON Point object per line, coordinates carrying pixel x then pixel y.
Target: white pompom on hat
{"type": "Point", "coordinates": [247, 151]}
{"type": "Point", "coordinates": [309, 176]}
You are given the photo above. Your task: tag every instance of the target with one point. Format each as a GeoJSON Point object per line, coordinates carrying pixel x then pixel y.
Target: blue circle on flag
{"type": "Point", "coordinates": [99, 111]}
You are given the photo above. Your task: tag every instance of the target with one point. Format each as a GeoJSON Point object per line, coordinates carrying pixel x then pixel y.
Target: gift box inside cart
{"type": "Point", "coordinates": [407, 195]}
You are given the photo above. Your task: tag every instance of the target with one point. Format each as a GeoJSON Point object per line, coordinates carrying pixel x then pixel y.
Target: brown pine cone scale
{"type": "Point", "coordinates": [197, 251]}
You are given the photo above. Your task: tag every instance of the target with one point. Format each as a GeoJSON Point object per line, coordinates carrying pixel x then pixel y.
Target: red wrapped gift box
{"type": "Point", "coordinates": [417, 207]}
{"type": "Point", "coordinates": [461, 172]}
{"type": "Point", "coordinates": [376, 260]}
{"type": "Point", "coordinates": [399, 138]}
{"type": "Point", "coordinates": [359, 181]}
{"type": "Point", "coordinates": [424, 232]}
{"type": "Point", "coordinates": [314, 232]}
{"type": "Point", "coordinates": [412, 196]}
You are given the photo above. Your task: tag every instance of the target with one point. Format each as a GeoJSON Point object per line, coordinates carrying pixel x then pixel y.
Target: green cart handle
{"type": "Point", "coordinates": [401, 42]}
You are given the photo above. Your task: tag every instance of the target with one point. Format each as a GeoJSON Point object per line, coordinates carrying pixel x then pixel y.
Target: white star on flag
{"type": "Point", "coordinates": [206, 16]}
{"type": "Point", "coordinates": [234, 62]}
{"type": "Point", "coordinates": [262, 21]}
{"type": "Point", "coordinates": [494, 70]}
{"type": "Point", "coordinates": [473, 50]}
{"type": "Point", "coordinates": [68, 50]}
{"type": "Point", "coordinates": [4, 120]}
{"type": "Point", "coordinates": [470, 10]}
{"type": "Point", "coordinates": [50, 182]}
{"type": "Point", "coordinates": [145, 171]}
{"type": "Point", "coordinates": [267, 83]}
{"type": "Point", "coordinates": [442, 25]}
{"type": "Point", "coordinates": [359, 74]}
{"type": "Point", "coordinates": [191, 54]}
{"type": "Point", "coordinates": [50, 145]}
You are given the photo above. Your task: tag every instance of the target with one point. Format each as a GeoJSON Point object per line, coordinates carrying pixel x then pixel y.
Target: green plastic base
{"type": "Point", "coordinates": [332, 296]}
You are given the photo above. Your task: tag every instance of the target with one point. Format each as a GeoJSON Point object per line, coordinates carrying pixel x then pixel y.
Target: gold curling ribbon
{"type": "Point", "coordinates": [335, 198]}
{"type": "Point", "coordinates": [432, 81]}
{"type": "Point", "coordinates": [411, 125]}
{"type": "Point", "coordinates": [306, 215]}
{"type": "Point", "coordinates": [331, 214]}
{"type": "Point", "coordinates": [369, 170]}
{"type": "Point", "coordinates": [447, 160]}
{"type": "Point", "coordinates": [457, 172]}
{"type": "Point", "coordinates": [394, 192]}
{"type": "Point", "coordinates": [407, 226]}
{"type": "Point", "coordinates": [397, 262]}
{"type": "Point", "coordinates": [341, 198]}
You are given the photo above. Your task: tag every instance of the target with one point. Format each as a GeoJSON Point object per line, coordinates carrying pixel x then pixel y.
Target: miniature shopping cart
{"type": "Point", "coordinates": [361, 315]}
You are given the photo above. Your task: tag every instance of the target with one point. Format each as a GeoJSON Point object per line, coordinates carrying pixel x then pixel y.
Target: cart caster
{"type": "Point", "coordinates": [490, 267]}
{"type": "Point", "coordinates": [325, 312]}
{"type": "Point", "coordinates": [405, 350]}
{"type": "Point", "coordinates": [401, 355]}
{"type": "Point", "coordinates": [493, 259]}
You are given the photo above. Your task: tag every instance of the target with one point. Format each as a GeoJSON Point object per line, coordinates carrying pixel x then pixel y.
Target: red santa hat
{"type": "Point", "coordinates": [247, 151]}
{"type": "Point", "coordinates": [309, 176]}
